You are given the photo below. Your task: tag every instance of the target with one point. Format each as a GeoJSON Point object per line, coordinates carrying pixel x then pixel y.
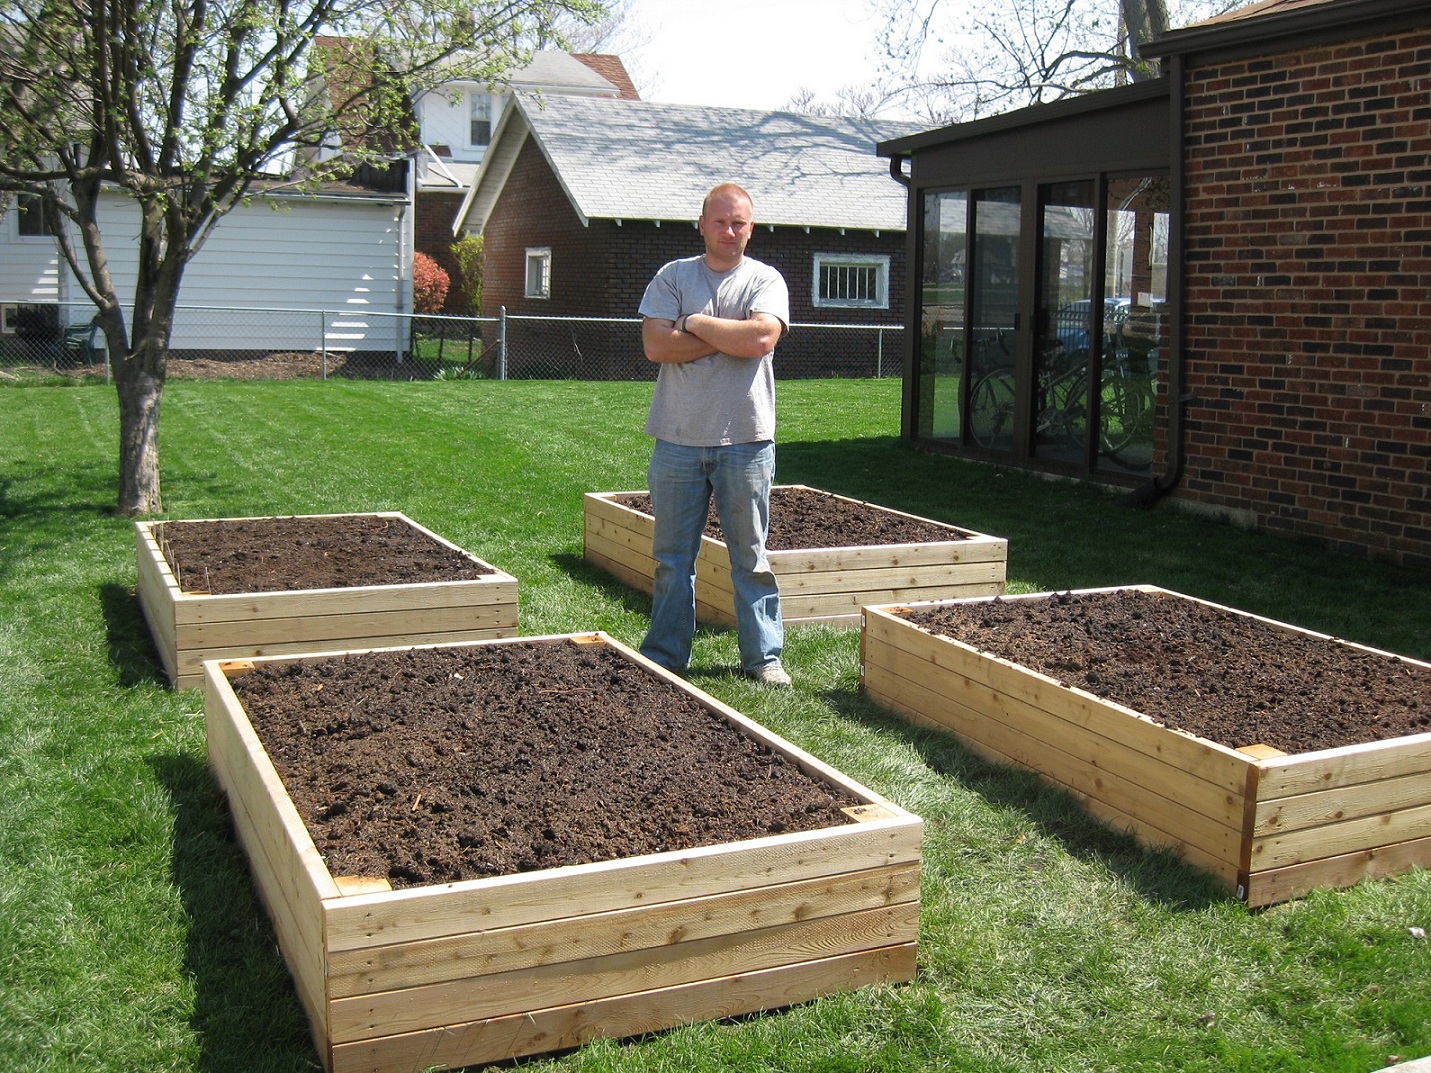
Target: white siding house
{"type": "Point", "coordinates": [456, 121]}
{"type": "Point", "coordinates": [344, 253]}
{"type": "Point", "coordinates": [347, 250]}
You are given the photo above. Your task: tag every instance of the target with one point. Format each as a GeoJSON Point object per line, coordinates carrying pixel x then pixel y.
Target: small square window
{"type": "Point", "coordinates": [851, 280]}
{"type": "Point", "coordinates": [30, 217]}
{"type": "Point", "coordinates": [539, 273]}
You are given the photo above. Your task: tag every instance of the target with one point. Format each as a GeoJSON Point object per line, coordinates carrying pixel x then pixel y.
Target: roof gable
{"type": "Point", "coordinates": [641, 160]}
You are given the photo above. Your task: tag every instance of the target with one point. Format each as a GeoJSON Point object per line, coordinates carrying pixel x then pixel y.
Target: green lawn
{"type": "Point", "coordinates": [130, 935]}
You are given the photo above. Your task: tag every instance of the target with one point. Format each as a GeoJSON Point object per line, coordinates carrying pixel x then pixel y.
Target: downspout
{"type": "Point", "coordinates": [1146, 496]}
{"type": "Point", "coordinates": [407, 248]}
{"type": "Point", "coordinates": [913, 311]}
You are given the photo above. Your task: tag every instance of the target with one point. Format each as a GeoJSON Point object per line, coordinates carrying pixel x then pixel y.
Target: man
{"type": "Point", "coordinates": [712, 323]}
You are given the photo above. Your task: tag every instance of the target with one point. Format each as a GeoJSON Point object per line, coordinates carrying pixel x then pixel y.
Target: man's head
{"type": "Point", "coordinates": [726, 224]}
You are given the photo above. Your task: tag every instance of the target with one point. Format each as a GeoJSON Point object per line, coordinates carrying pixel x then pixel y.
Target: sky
{"type": "Point", "coordinates": [751, 53]}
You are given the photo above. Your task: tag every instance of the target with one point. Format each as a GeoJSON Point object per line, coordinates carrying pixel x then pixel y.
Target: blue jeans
{"type": "Point", "coordinates": [682, 481]}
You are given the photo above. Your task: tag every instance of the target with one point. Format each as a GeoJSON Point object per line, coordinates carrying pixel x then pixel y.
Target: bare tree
{"type": "Point", "coordinates": [948, 62]}
{"type": "Point", "coordinates": [859, 102]}
{"type": "Point", "coordinates": [184, 107]}
{"type": "Point", "coordinates": [616, 33]}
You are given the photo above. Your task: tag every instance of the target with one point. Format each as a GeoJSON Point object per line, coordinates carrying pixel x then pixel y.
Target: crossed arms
{"type": "Point", "coordinates": [705, 335]}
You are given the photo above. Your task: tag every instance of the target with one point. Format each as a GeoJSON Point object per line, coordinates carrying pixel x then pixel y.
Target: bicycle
{"type": "Point", "coordinates": [1125, 402]}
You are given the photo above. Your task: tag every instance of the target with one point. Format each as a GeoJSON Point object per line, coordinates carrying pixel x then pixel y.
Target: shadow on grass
{"type": "Point", "coordinates": [246, 1011]}
{"type": "Point", "coordinates": [36, 527]}
{"type": "Point", "coordinates": [131, 646]}
{"type": "Point", "coordinates": [1158, 875]}
{"type": "Point", "coordinates": [617, 591]}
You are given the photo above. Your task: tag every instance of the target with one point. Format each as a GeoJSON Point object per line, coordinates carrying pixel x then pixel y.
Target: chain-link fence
{"type": "Point", "coordinates": [252, 343]}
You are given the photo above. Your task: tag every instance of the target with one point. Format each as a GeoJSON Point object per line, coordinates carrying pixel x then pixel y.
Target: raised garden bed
{"type": "Point", "coordinates": [1277, 759]}
{"type": "Point", "coordinates": [231, 587]}
{"type": "Point", "coordinates": [831, 555]}
{"type": "Point", "coordinates": [781, 881]}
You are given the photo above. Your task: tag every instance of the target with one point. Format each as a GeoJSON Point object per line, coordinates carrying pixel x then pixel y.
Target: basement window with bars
{"type": "Point", "coordinates": [851, 280]}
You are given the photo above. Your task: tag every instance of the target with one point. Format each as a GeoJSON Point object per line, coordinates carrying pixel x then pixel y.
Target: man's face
{"type": "Point", "coordinates": [726, 227]}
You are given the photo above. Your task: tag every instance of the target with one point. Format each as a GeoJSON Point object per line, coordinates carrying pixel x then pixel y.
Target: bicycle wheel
{"type": "Point", "coordinates": [1067, 410]}
{"type": "Point", "coordinates": [1125, 411]}
{"type": "Point", "coordinates": [991, 410]}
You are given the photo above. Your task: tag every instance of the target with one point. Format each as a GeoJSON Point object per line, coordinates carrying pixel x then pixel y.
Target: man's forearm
{"type": "Point", "coordinates": [751, 338]}
{"type": "Point", "coordinates": [667, 344]}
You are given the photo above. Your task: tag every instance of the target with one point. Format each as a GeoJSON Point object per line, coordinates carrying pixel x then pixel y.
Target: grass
{"type": "Point", "coordinates": [130, 935]}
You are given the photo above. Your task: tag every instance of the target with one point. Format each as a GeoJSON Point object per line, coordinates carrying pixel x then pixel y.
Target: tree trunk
{"type": "Point", "coordinates": [140, 393]}
{"type": "Point", "coordinates": [1146, 20]}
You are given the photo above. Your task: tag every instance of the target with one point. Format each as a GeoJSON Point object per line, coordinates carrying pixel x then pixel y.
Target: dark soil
{"type": "Point", "coordinates": [808, 518]}
{"type": "Point", "coordinates": [225, 556]}
{"type": "Point", "coordinates": [436, 765]}
{"type": "Point", "coordinates": [1225, 677]}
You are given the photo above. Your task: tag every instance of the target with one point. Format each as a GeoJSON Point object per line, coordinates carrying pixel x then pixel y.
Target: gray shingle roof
{"type": "Point", "coordinates": [643, 160]}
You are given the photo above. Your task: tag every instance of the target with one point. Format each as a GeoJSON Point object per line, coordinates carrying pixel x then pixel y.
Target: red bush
{"type": "Point", "coordinates": [429, 284]}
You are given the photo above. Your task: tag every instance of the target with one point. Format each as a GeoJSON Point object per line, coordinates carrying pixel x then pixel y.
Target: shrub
{"type": "Point", "coordinates": [467, 251]}
{"type": "Point", "coordinates": [429, 284]}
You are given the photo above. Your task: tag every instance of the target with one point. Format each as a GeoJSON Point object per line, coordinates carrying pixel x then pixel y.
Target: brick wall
{"type": "Point", "coordinates": [601, 270]}
{"type": "Point", "coordinates": [1308, 293]}
{"type": "Point", "coordinates": [432, 227]}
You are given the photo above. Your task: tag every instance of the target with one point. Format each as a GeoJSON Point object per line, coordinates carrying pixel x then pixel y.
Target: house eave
{"type": "Point", "coordinates": [1280, 31]}
{"type": "Point", "coordinates": [1052, 112]}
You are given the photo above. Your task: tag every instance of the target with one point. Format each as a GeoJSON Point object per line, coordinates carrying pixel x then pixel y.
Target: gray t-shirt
{"type": "Point", "coordinates": [716, 400]}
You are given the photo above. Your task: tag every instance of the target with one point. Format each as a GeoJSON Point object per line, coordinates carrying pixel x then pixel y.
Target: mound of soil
{"type": "Point", "coordinates": [225, 556]}
{"type": "Point", "coordinates": [436, 765]}
{"type": "Point", "coordinates": [1223, 676]}
{"type": "Point", "coordinates": [808, 518]}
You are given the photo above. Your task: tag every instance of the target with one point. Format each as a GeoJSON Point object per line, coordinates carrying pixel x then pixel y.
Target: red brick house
{"type": "Point", "coordinates": [1255, 229]}
{"type": "Point", "coordinates": [580, 200]}
{"type": "Point", "coordinates": [455, 126]}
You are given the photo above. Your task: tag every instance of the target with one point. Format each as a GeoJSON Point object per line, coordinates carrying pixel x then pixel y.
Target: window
{"type": "Point", "coordinates": [480, 129]}
{"type": "Point", "coordinates": [851, 280]}
{"type": "Point", "coordinates": [539, 273]}
{"type": "Point", "coordinates": [30, 217]}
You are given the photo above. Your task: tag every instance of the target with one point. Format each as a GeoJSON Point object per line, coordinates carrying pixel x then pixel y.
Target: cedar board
{"type": "Point", "coordinates": [1269, 826]}
{"type": "Point", "coordinates": [816, 584]}
{"type": "Point", "coordinates": [487, 970]}
{"type": "Point", "coordinates": [190, 627]}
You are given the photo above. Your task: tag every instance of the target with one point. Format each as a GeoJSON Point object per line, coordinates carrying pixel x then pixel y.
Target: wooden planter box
{"type": "Point", "coordinates": [1269, 825]}
{"type": "Point", "coordinates": [485, 970]}
{"type": "Point", "coordinates": [190, 627]}
{"type": "Point", "coordinates": [816, 584]}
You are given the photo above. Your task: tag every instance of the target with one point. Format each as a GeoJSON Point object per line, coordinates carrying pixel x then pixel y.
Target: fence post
{"type": "Point", "coordinates": [879, 354]}
{"type": "Point", "coordinates": [502, 346]}
{"type": "Point", "coordinates": [323, 340]}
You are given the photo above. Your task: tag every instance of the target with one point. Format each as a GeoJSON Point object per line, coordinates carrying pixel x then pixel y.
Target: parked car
{"type": "Point", "coordinates": [1073, 323]}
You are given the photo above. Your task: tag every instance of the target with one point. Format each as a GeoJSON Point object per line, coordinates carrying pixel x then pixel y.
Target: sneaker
{"type": "Point", "coordinates": [772, 674]}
